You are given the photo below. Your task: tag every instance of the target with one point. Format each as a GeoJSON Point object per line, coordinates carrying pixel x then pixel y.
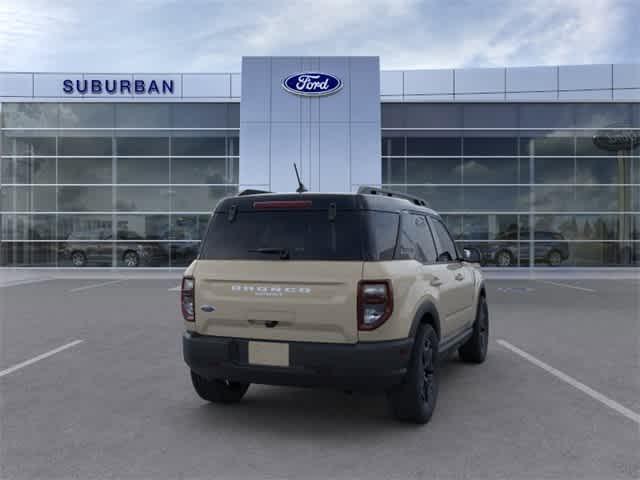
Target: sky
{"type": "Point", "coordinates": [211, 36]}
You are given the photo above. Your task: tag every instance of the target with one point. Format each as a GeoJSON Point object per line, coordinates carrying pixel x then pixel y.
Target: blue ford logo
{"type": "Point", "coordinates": [312, 84]}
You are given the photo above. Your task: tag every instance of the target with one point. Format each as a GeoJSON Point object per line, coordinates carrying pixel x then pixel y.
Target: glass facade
{"type": "Point", "coordinates": [527, 184]}
{"type": "Point", "coordinates": [112, 185]}
{"type": "Point", "coordinates": [132, 184]}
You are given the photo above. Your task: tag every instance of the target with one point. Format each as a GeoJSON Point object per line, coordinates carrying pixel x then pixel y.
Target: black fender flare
{"type": "Point", "coordinates": [482, 289]}
{"type": "Point", "coordinates": [427, 307]}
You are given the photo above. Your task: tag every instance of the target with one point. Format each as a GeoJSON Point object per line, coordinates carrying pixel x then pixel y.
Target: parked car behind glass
{"type": "Point", "coordinates": [83, 249]}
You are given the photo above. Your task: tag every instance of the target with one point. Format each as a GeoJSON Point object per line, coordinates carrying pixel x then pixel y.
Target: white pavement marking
{"type": "Point", "coordinates": [39, 357]}
{"type": "Point", "coordinates": [95, 285]}
{"type": "Point", "coordinates": [612, 404]}
{"type": "Point", "coordinates": [568, 286]}
{"type": "Point", "coordinates": [24, 282]}
{"type": "Point", "coordinates": [175, 289]}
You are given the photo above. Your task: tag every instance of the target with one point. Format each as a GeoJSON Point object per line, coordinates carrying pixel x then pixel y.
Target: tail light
{"type": "Point", "coordinates": [375, 303]}
{"type": "Point", "coordinates": [187, 299]}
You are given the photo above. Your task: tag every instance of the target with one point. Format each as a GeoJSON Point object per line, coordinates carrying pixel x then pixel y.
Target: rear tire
{"type": "Point", "coordinates": [475, 349]}
{"type": "Point", "coordinates": [78, 259]}
{"type": "Point", "coordinates": [130, 259]}
{"type": "Point", "coordinates": [554, 258]}
{"type": "Point", "coordinates": [217, 390]}
{"type": "Point", "coordinates": [415, 400]}
{"type": "Point", "coordinates": [504, 258]}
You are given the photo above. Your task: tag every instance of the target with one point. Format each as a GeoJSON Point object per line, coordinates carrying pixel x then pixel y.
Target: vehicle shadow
{"type": "Point", "coordinates": [297, 411]}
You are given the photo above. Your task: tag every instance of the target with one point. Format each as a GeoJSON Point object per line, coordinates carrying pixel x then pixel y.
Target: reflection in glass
{"type": "Point", "coordinates": [142, 170]}
{"type": "Point", "coordinates": [26, 254]}
{"type": "Point", "coordinates": [84, 199]}
{"type": "Point", "coordinates": [28, 170]}
{"type": "Point", "coordinates": [199, 199]}
{"type": "Point", "coordinates": [85, 145]}
{"type": "Point", "coordinates": [147, 146]}
{"type": "Point", "coordinates": [147, 227]}
{"type": "Point", "coordinates": [603, 170]}
{"type": "Point", "coordinates": [30, 115]}
{"type": "Point", "coordinates": [496, 198]}
{"type": "Point", "coordinates": [394, 170]}
{"type": "Point", "coordinates": [393, 146]}
{"type": "Point", "coordinates": [192, 146]}
{"type": "Point", "coordinates": [490, 146]}
{"type": "Point", "coordinates": [28, 227]}
{"type": "Point", "coordinates": [434, 170]}
{"type": "Point", "coordinates": [84, 170]}
{"type": "Point", "coordinates": [442, 199]}
{"type": "Point", "coordinates": [203, 170]}
{"type": "Point", "coordinates": [183, 253]}
{"type": "Point", "coordinates": [85, 227]}
{"type": "Point", "coordinates": [490, 170]}
{"type": "Point", "coordinates": [188, 227]}
{"type": "Point", "coordinates": [434, 146]}
{"type": "Point", "coordinates": [78, 252]}
{"type": "Point", "coordinates": [17, 143]}
{"type": "Point", "coordinates": [554, 170]}
{"type": "Point", "coordinates": [27, 199]}
{"type": "Point", "coordinates": [144, 199]}
{"type": "Point", "coordinates": [89, 115]}
{"type": "Point", "coordinates": [132, 254]}
{"type": "Point", "coordinates": [560, 198]}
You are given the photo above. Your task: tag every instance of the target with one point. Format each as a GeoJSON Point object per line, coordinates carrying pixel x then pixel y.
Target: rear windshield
{"type": "Point", "coordinates": [300, 235]}
{"type": "Point", "coordinates": [294, 235]}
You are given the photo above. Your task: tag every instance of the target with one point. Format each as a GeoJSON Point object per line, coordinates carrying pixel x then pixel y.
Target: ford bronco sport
{"type": "Point", "coordinates": [355, 291]}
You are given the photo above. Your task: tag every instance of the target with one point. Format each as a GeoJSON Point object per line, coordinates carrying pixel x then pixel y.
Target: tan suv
{"type": "Point", "coordinates": [355, 291]}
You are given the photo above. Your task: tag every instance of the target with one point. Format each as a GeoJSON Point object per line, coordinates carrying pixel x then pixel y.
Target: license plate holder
{"type": "Point", "coordinates": [273, 354]}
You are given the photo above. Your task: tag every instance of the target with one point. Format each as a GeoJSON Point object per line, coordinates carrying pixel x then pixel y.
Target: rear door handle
{"type": "Point", "coordinates": [435, 282]}
{"type": "Point", "coordinates": [459, 277]}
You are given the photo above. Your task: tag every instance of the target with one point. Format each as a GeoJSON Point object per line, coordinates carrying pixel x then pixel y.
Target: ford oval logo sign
{"type": "Point", "coordinates": [312, 84]}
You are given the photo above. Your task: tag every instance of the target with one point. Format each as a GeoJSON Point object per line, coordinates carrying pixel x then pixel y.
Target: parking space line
{"type": "Point", "coordinates": [567, 285]}
{"type": "Point", "coordinates": [175, 289]}
{"type": "Point", "coordinates": [95, 285]}
{"type": "Point", "coordinates": [15, 283]}
{"type": "Point", "coordinates": [612, 404]}
{"type": "Point", "coordinates": [39, 357]}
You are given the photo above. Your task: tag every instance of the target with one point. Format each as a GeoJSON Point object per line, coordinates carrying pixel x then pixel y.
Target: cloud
{"type": "Point", "coordinates": [202, 35]}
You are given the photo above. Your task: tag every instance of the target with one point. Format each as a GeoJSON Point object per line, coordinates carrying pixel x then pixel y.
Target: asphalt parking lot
{"type": "Point", "coordinates": [559, 395]}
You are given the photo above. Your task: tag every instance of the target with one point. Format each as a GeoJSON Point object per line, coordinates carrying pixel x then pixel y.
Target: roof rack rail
{"type": "Point", "coordinates": [390, 193]}
{"type": "Point", "coordinates": [251, 191]}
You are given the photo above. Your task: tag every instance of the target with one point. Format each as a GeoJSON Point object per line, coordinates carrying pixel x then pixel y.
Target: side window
{"type": "Point", "coordinates": [414, 240]}
{"type": "Point", "coordinates": [445, 244]}
{"type": "Point", "coordinates": [382, 228]}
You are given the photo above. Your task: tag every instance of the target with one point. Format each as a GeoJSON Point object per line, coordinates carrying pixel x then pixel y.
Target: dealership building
{"type": "Point", "coordinates": [535, 166]}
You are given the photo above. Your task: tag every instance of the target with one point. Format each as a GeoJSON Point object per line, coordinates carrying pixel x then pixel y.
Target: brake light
{"type": "Point", "coordinates": [187, 299]}
{"type": "Point", "coordinates": [375, 303]}
{"type": "Point", "coordinates": [282, 204]}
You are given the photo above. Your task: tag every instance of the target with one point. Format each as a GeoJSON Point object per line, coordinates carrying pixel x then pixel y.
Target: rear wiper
{"type": "Point", "coordinates": [283, 252]}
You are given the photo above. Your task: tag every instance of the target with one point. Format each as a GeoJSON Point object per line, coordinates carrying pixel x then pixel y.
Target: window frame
{"type": "Point", "coordinates": [404, 216]}
{"type": "Point", "coordinates": [431, 219]}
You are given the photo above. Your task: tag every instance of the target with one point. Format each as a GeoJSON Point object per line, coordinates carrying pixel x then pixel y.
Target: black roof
{"type": "Point", "coordinates": [321, 201]}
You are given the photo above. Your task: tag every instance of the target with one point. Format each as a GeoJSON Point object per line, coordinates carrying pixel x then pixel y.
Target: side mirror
{"type": "Point", "coordinates": [472, 255]}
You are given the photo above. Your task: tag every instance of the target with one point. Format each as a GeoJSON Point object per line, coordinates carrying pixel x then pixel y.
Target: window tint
{"type": "Point", "coordinates": [303, 235]}
{"type": "Point", "coordinates": [446, 246]}
{"type": "Point", "coordinates": [382, 230]}
{"type": "Point", "coordinates": [414, 240]}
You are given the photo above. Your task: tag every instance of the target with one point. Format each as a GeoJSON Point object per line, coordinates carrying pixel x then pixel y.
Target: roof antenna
{"type": "Point", "coordinates": [301, 188]}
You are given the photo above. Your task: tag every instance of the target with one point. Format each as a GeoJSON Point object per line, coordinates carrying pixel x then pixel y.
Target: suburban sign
{"type": "Point", "coordinates": [312, 84]}
{"type": "Point", "coordinates": [99, 86]}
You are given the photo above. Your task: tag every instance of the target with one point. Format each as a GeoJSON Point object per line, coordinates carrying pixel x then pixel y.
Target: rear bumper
{"type": "Point", "coordinates": [361, 366]}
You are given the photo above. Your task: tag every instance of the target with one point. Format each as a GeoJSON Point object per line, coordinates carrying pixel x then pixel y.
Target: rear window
{"type": "Point", "coordinates": [303, 235]}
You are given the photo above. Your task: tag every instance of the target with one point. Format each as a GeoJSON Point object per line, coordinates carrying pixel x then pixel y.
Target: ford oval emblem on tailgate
{"type": "Point", "coordinates": [207, 308]}
{"type": "Point", "coordinates": [312, 84]}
